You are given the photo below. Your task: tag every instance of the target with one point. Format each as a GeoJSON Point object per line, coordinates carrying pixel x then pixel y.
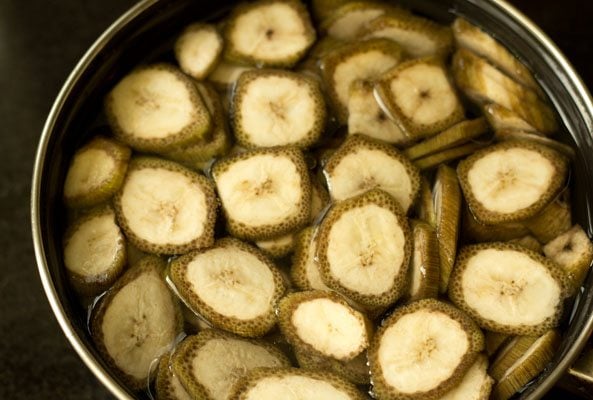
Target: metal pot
{"type": "Point", "coordinates": [146, 32]}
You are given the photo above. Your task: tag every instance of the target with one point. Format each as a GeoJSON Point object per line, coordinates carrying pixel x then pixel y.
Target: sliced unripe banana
{"type": "Point", "coordinates": [346, 21]}
{"type": "Point", "coordinates": [425, 263]}
{"type": "Point", "coordinates": [529, 242]}
{"type": "Point", "coordinates": [275, 383]}
{"type": "Point", "coordinates": [356, 370]}
{"type": "Point", "coordinates": [476, 232]}
{"type": "Point", "coordinates": [494, 341]}
{"type": "Point", "coordinates": [361, 164]}
{"type": "Point", "coordinates": [508, 288]}
{"type": "Point", "coordinates": [423, 350]}
{"type": "Point", "coordinates": [157, 108]}
{"type": "Point", "coordinates": [363, 249]}
{"type": "Point", "coordinates": [514, 134]}
{"type": "Point", "coordinates": [225, 74]}
{"type": "Point", "coordinates": [475, 385]}
{"type": "Point", "coordinates": [357, 61]}
{"type": "Point", "coordinates": [278, 247]}
{"type": "Point", "coordinates": [323, 8]}
{"type": "Point", "coordinates": [509, 353]}
{"type": "Point", "coordinates": [511, 181]}
{"type": "Point", "coordinates": [425, 204]}
{"type": "Point", "coordinates": [96, 172]}
{"type": "Point", "coordinates": [274, 33]}
{"type": "Point", "coordinates": [211, 362]}
{"type": "Point", "coordinates": [136, 322]}
{"type": "Point", "coordinates": [265, 193]}
{"type": "Point", "coordinates": [418, 96]}
{"type": "Point", "coordinates": [553, 220]}
{"type": "Point", "coordinates": [446, 156]}
{"type": "Point", "coordinates": [231, 284]}
{"type": "Point", "coordinates": [573, 251]}
{"type": "Point", "coordinates": [164, 208]}
{"type": "Point", "coordinates": [304, 271]}
{"type": "Point", "coordinates": [94, 252]}
{"type": "Point", "coordinates": [319, 199]}
{"type": "Point", "coordinates": [168, 386]}
{"type": "Point", "coordinates": [501, 118]}
{"type": "Point", "coordinates": [198, 49]}
{"type": "Point", "coordinates": [277, 108]}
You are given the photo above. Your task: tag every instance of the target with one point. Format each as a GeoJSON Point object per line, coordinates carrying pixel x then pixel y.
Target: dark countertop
{"type": "Point", "coordinates": [40, 42]}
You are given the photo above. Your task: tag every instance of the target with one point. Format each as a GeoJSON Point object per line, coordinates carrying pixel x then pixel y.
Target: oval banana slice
{"type": "Point", "coordinates": [363, 249]}
{"type": "Point", "coordinates": [304, 271]}
{"type": "Point", "coordinates": [164, 208]}
{"type": "Point", "coordinates": [423, 350]}
{"type": "Point", "coordinates": [425, 263]}
{"type": "Point", "coordinates": [475, 385]}
{"type": "Point", "coordinates": [507, 288]}
{"type": "Point", "coordinates": [137, 321]}
{"type": "Point", "coordinates": [198, 49]}
{"type": "Point", "coordinates": [168, 386]}
{"type": "Point", "coordinates": [211, 362]}
{"type": "Point", "coordinates": [355, 370]}
{"type": "Point", "coordinates": [232, 284]}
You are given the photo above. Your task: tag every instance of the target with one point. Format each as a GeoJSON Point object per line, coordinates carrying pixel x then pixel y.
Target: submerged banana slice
{"type": "Point", "coordinates": [225, 74]}
{"type": "Point", "coordinates": [425, 204]}
{"type": "Point", "coordinates": [535, 137]}
{"type": "Point", "coordinates": [198, 49]}
{"type": "Point", "coordinates": [508, 355]}
{"type": "Point", "coordinates": [168, 386]}
{"type": "Point", "coordinates": [511, 181]}
{"type": "Point", "coordinates": [425, 263]}
{"type": "Point", "coordinates": [164, 208]}
{"type": "Point", "coordinates": [501, 118]}
{"type": "Point", "coordinates": [211, 362]}
{"type": "Point", "coordinates": [446, 156]}
{"type": "Point", "coordinates": [507, 288]}
{"type": "Point", "coordinates": [356, 370]}
{"type": "Point", "coordinates": [363, 248]}
{"type": "Point", "coordinates": [529, 242]}
{"type": "Point", "coordinates": [324, 8]}
{"type": "Point", "coordinates": [265, 193]}
{"type": "Point", "coordinates": [277, 247]}
{"type": "Point", "coordinates": [231, 284]}
{"type": "Point", "coordinates": [319, 199]}
{"type": "Point", "coordinates": [423, 350]}
{"type": "Point", "coordinates": [553, 220]}
{"type": "Point", "coordinates": [137, 321]}
{"type": "Point", "coordinates": [475, 385]}
{"type": "Point", "coordinates": [494, 341]}
{"type": "Point", "coordinates": [361, 164]}
{"type": "Point", "coordinates": [269, 32]}
{"type": "Point", "coordinates": [304, 271]}
{"type": "Point", "coordinates": [345, 22]}
{"type": "Point", "coordinates": [476, 232]}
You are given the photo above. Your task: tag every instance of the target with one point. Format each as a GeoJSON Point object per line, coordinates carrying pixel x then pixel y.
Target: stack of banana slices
{"type": "Point", "coordinates": [326, 203]}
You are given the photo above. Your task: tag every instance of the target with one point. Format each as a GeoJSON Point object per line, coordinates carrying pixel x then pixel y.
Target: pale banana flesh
{"type": "Point", "coordinates": [197, 49]}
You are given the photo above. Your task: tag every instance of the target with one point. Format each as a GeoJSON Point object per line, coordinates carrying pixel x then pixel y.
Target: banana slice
{"type": "Point", "coordinates": [323, 8]}
{"type": "Point", "coordinates": [494, 341]}
{"type": "Point", "coordinates": [484, 83]}
{"type": "Point", "coordinates": [507, 288]}
{"type": "Point", "coordinates": [198, 49]}
{"type": "Point", "coordinates": [164, 208]}
{"type": "Point", "coordinates": [511, 181]}
{"type": "Point", "coordinates": [94, 252]}
{"type": "Point", "coordinates": [553, 220]}
{"type": "Point", "coordinates": [425, 263]}
{"type": "Point", "coordinates": [423, 350]}
{"type": "Point", "coordinates": [136, 322]}
{"type": "Point", "coordinates": [231, 284]}
{"type": "Point", "coordinates": [273, 384]}
{"type": "Point", "coordinates": [527, 367]}
{"type": "Point", "coordinates": [475, 385]}
{"type": "Point", "coordinates": [277, 108]}
{"type": "Point", "coordinates": [96, 172]}
{"type": "Point", "coordinates": [510, 352]}
{"type": "Point", "coordinates": [277, 247]}
{"type": "Point", "coordinates": [418, 96]}
{"type": "Point", "coordinates": [323, 323]}
{"type": "Point", "coordinates": [356, 370]}
{"type": "Point", "coordinates": [514, 134]}
{"type": "Point", "coordinates": [445, 156]}
{"type": "Point", "coordinates": [476, 232]}
{"type": "Point", "coordinates": [319, 200]}
{"type": "Point", "coordinates": [225, 74]}
{"type": "Point", "coordinates": [501, 118]}
{"type": "Point", "coordinates": [168, 386]}
{"type": "Point", "coordinates": [157, 108]}
{"type": "Point", "coordinates": [573, 251]}
{"type": "Point", "coordinates": [304, 271]}
{"type": "Point", "coordinates": [529, 242]}
{"type": "Point", "coordinates": [456, 135]}
{"type": "Point", "coordinates": [273, 33]}
{"type": "Point", "coordinates": [363, 248]}
{"type": "Point", "coordinates": [265, 193]}
{"type": "Point", "coordinates": [357, 61]}
{"type": "Point", "coordinates": [361, 164]}
{"type": "Point", "coordinates": [345, 22]}
{"type": "Point", "coordinates": [425, 204]}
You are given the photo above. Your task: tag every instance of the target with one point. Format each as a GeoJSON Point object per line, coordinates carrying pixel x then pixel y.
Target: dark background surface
{"type": "Point", "coordinates": [40, 42]}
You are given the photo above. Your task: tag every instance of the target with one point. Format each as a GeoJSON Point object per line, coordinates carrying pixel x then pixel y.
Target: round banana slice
{"type": "Point", "coordinates": [211, 362]}
{"type": "Point", "coordinates": [304, 271]}
{"type": "Point", "coordinates": [507, 288]}
{"type": "Point", "coordinates": [476, 232]}
{"type": "Point", "coordinates": [96, 172]}
{"type": "Point", "coordinates": [475, 385]}
{"type": "Point", "coordinates": [501, 118]}
{"type": "Point", "coordinates": [231, 284]}
{"type": "Point", "coordinates": [277, 108]}
{"type": "Point", "coordinates": [273, 384]}
{"type": "Point", "coordinates": [277, 247]}
{"type": "Point", "coordinates": [225, 74]}
{"type": "Point", "coordinates": [269, 33]}
{"type": "Point", "coordinates": [418, 96]}
{"type": "Point", "coordinates": [198, 49]}
{"type": "Point", "coordinates": [361, 164]}
{"type": "Point", "coordinates": [168, 386]}
{"type": "Point", "coordinates": [94, 252]}
{"type": "Point", "coordinates": [511, 181]}
{"type": "Point", "coordinates": [157, 108]}
{"type": "Point", "coordinates": [553, 220]}
{"type": "Point", "coordinates": [265, 193]}
{"type": "Point", "coordinates": [446, 156]}
{"type": "Point", "coordinates": [510, 352]}
{"type": "Point", "coordinates": [425, 263]}
{"type": "Point", "coordinates": [363, 249]}
{"type": "Point", "coordinates": [164, 208]}
{"type": "Point", "coordinates": [356, 370]}
{"type": "Point", "coordinates": [136, 322]}
{"type": "Point", "coordinates": [323, 323]}
{"type": "Point", "coordinates": [423, 350]}
{"type": "Point", "coordinates": [346, 21]}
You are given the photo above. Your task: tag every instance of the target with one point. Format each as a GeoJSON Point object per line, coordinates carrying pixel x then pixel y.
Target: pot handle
{"type": "Point", "coordinates": [579, 377]}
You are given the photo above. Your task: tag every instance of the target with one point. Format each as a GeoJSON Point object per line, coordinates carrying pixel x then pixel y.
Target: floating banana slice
{"type": "Point", "coordinates": [494, 341]}
{"type": "Point", "coordinates": [476, 232]}
{"type": "Point", "coordinates": [508, 355]}
{"type": "Point", "coordinates": [96, 172]}
{"type": "Point", "coordinates": [231, 284]}
{"type": "Point", "coordinates": [418, 96]}
{"type": "Point", "coordinates": [363, 248]}
{"type": "Point", "coordinates": [157, 108]}
{"type": "Point", "coordinates": [304, 271]}
{"type": "Point", "coordinates": [198, 49]}
{"type": "Point", "coordinates": [507, 288]}
{"type": "Point", "coordinates": [425, 204]}
{"type": "Point", "coordinates": [225, 74]}
{"type": "Point", "coordinates": [265, 193]}
{"type": "Point", "coordinates": [277, 247]}
{"type": "Point", "coordinates": [164, 208]}
{"type": "Point", "coordinates": [168, 386]}
{"type": "Point", "coordinates": [211, 362]}
{"type": "Point", "coordinates": [425, 263]}
{"type": "Point", "coordinates": [501, 118]}
{"type": "Point", "coordinates": [356, 370]}
{"type": "Point", "coordinates": [475, 385]}
{"type": "Point", "coordinates": [553, 220]}
{"type": "Point", "coordinates": [423, 350]}
{"type": "Point", "coordinates": [445, 156]}
{"type": "Point", "coordinates": [511, 181]}
{"type": "Point", "coordinates": [274, 33]}
{"type": "Point", "coordinates": [345, 22]}
{"type": "Point", "coordinates": [277, 108]}
{"type": "Point", "coordinates": [361, 164]}
{"type": "Point", "coordinates": [94, 252]}
{"type": "Point", "coordinates": [136, 322]}
{"type": "Point", "coordinates": [529, 242]}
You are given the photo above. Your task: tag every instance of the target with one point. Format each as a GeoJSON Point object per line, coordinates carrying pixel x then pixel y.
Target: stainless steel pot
{"type": "Point", "coordinates": [146, 31]}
